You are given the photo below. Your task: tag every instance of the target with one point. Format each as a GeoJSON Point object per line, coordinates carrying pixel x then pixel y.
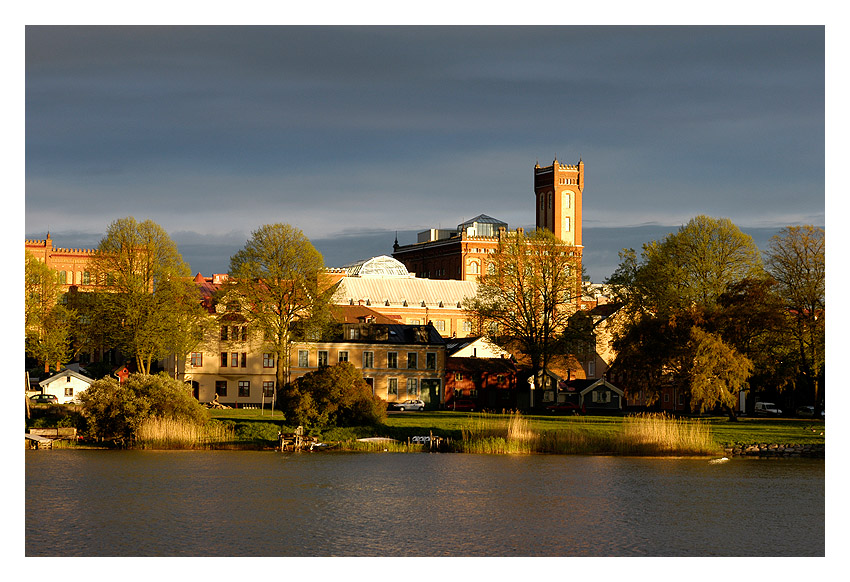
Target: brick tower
{"type": "Point", "coordinates": [558, 189]}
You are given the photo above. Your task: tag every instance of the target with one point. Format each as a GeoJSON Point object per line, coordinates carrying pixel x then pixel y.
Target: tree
{"type": "Point", "coordinates": [115, 410]}
{"type": "Point", "coordinates": [47, 323]}
{"type": "Point", "coordinates": [796, 258]}
{"type": "Point", "coordinates": [275, 281]}
{"type": "Point", "coordinates": [143, 278]}
{"type": "Point", "coordinates": [672, 297]}
{"type": "Point", "coordinates": [692, 266]}
{"type": "Point", "coordinates": [529, 296]}
{"type": "Point", "coordinates": [717, 373]}
{"type": "Point", "coordinates": [333, 396]}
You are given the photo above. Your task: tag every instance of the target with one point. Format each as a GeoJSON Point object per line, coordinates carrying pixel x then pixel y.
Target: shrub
{"type": "Point", "coordinates": [332, 396]}
{"type": "Point", "coordinates": [116, 411]}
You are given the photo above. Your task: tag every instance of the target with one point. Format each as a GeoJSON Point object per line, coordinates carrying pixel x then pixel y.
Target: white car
{"type": "Point", "coordinates": [409, 405]}
{"type": "Point", "coordinates": [767, 409]}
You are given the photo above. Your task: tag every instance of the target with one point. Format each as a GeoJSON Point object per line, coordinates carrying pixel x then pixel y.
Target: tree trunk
{"type": "Point", "coordinates": [731, 412]}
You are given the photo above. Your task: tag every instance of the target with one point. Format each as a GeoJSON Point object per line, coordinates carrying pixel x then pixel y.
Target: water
{"type": "Point", "coordinates": [245, 503]}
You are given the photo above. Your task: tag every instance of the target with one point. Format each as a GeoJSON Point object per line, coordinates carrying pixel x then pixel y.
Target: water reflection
{"type": "Point", "coordinates": [142, 503]}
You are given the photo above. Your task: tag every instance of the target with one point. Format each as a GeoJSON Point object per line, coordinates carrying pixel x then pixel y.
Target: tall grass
{"type": "Point", "coordinates": [168, 433]}
{"type": "Point", "coordinates": [659, 434]}
{"type": "Point", "coordinates": [646, 434]}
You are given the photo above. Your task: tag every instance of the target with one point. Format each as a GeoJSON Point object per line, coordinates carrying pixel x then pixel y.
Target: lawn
{"type": "Point", "coordinates": [402, 425]}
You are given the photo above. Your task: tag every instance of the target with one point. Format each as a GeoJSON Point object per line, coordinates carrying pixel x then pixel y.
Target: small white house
{"type": "Point", "coordinates": [66, 385]}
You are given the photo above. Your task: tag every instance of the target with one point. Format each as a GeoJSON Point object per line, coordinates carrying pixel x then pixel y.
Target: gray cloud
{"type": "Point", "coordinates": [216, 130]}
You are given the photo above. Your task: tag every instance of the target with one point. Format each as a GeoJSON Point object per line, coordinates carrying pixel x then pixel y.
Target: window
{"type": "Point", "coordinates": [440, 325]}
{"type": "Point", "coordinates": [303, 358]}
{"type": "Point", "coordinates": [474, 268]}
{"type": "Point", "coordinates": [601, 396]}
{"type": "Point", "coordinates": [368, 359]}
{"type": "Point", "coordinates": [244, 333]}
{"type": "Point", "coordinates": [268, 360]}
{"type": "Point", "coordinates": [567, 223]}
{"type": "Point", "coordinates": [500, 378]}
{"type": "Point", "coordinates": [69, 390]}
{"type": "Point", "coordinates": [591, 368]}
{"type": "Point", "coordinates": [458, 376]}
{"type": "Point", "coordinates": [221, 387]}
{"type": "Point", "coordinates": [566, 200]}
{"type": "Point", "coordinates": [491, 268]}
{"type": "Point", "coordinates": [458, 392]}
{"type": "Point", "coordinates": [224, 329]}
{"type": "Point", "coordinates": [466, 325]}
{"type": "Point", "coordinates": [473, 393]}
{"type": "Point", "coordinates": [412, 360]}
{"type": "Point", "coordinates": [414, 322]}
{"type": "Point", "coordinates": [196, 359]}
{"type": "Point", "coordinates": [63, 277]}
{"type": "Point", "coordinates": [323, 358]}
{"type": "Point", "coordinates": [244, 361]}
{"type": "Point", "coordinates": [268, 388]}
{"type": "Point", "coordinates": [234, 335]}
{"type": "Point", "coordinates": [86, 278]}
{"type": "Point", "coordinates": [343, 357]}
{"type": "Point", "coordinates": [354, 333]}
{"type": "Point", "coordinates": [430, 361]}
{"type": "Point", "coordinates": [392, 386]}
{"type": "Point", "coordinates": [223, 359]}
{"type": "Point", "coordinates": [392, 360]}
{"type": "Point", "coordinates": [412, 387]}
{"type": "Point", "coordinates": [244, 388]}
{"type": "Point", "coordinates": [234, 359]}
{"type": "Point", "coordinates": [666, 398]}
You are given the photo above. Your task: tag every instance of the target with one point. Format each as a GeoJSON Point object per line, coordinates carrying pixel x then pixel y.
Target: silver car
{"type": "Point", "coordinates": [409, 405]}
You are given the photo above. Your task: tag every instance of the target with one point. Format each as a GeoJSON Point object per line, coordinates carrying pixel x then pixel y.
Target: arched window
{"type": "Point", "coordinates": [474, 268]}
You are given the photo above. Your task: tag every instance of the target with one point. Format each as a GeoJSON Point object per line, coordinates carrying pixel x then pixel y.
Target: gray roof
{"type": "Point", "coordinates": [483, 219]}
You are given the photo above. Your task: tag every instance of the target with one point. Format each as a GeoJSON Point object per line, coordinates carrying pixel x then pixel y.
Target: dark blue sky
{"type": "Point", "coordinates": [354, 133]}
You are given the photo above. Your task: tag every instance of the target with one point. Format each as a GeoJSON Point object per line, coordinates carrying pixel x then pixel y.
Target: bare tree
{"type": "Point", "coordinates": [526, 299]}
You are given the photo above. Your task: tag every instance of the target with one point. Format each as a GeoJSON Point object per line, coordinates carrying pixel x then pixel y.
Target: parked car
{"type": "Point", "coordinates": [44, 399]}
{"type": "Point", "coordinates": [808, 411]}
{"type": "Point", "coordinates": [566, 408]}
{"type": "Point", "coordinates": [767, 409]}
{"type": "Point", "coordinates": [468, 405]}
{"type": "Point", "coordinates": [409, 405]}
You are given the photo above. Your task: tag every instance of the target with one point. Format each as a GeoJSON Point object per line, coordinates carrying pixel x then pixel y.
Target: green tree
{"type": "Point", "coordinates": [115, 411]}
{"type": "Point", "coordinates": [47, 322]}
{"type": "Point", "coordinates": [143, 278]}
{"type": "Point", "coordinates": [692, 266]}
{"type": "Point", "coordinates": [796, 258]}
{"type": "Point", "coordinates": [526, 300]}
{"type": "Point", "coordinates": [333, 396]}
{"type": "Point", "coordinates": [717, 373]}
{"type": "Point", "coordinates": [275, 281]}
{"type": "Point", "coordinates": [671, 296]}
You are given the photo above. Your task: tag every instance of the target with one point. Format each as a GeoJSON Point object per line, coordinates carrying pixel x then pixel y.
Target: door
{"type": "Point", "coordinates": [430, 393]}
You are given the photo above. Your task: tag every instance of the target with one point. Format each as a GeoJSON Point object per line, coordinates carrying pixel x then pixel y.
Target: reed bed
{"type": "Point", "coordinates": [640, 435]}
{"type": "Point", "coordinates": [659, 434]}
{"type": "Point", "coordinates": [168, 433]}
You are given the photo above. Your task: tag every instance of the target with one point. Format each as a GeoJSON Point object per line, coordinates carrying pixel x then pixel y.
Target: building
{"type": "Point", "coordinates": [489, 382]}
{"type": "Point", "coordinates": [66, 385]}
{"type": "Point", "coordinates": [462, 253]}
{"type": "Point", "coordinates": [73, 265]}
{"type": "Point", "coordinates": [384, 285]}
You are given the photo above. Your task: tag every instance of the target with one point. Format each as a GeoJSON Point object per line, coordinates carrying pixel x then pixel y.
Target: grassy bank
{"type": "Point", "coordinates": [486, 433]}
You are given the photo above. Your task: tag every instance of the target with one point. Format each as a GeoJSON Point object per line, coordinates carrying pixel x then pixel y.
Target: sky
{"type": "Point", "coordinates": [359, 134]}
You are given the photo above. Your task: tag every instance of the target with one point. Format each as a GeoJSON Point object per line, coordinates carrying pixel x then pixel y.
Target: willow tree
{"type": "Point", "coordinates": [796, 258]}
{"type": "Point", "coordinates": [717, 373]}
{"type": "Point", "coordinates": [275, 280]}
{"type": "Point", "coordinates": [47, 322]}
{"type": "Point", "coordinates": [526, 299]}
{"type": "Point", "coordinates": [142, 279]}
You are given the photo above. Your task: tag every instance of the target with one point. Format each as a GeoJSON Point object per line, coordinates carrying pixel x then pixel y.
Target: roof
{"type": "Point", "coordinates": [383, 266]}
{"type": "Point", "coordinates": [362, 314]}
{"type": "Point", "coordinates": [483, 219]}
{"type": "Point", "coordinates": [397, 291]}
{"type": "Point", "coordinates": [64, 374]}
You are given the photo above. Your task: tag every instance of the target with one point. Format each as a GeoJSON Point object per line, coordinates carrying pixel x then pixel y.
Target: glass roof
{"type": "Point", "coordinates": [383, 266]}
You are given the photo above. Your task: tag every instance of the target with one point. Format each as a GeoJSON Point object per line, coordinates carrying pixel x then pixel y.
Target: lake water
{"type": "Point", "coordinates": [246, 503]}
